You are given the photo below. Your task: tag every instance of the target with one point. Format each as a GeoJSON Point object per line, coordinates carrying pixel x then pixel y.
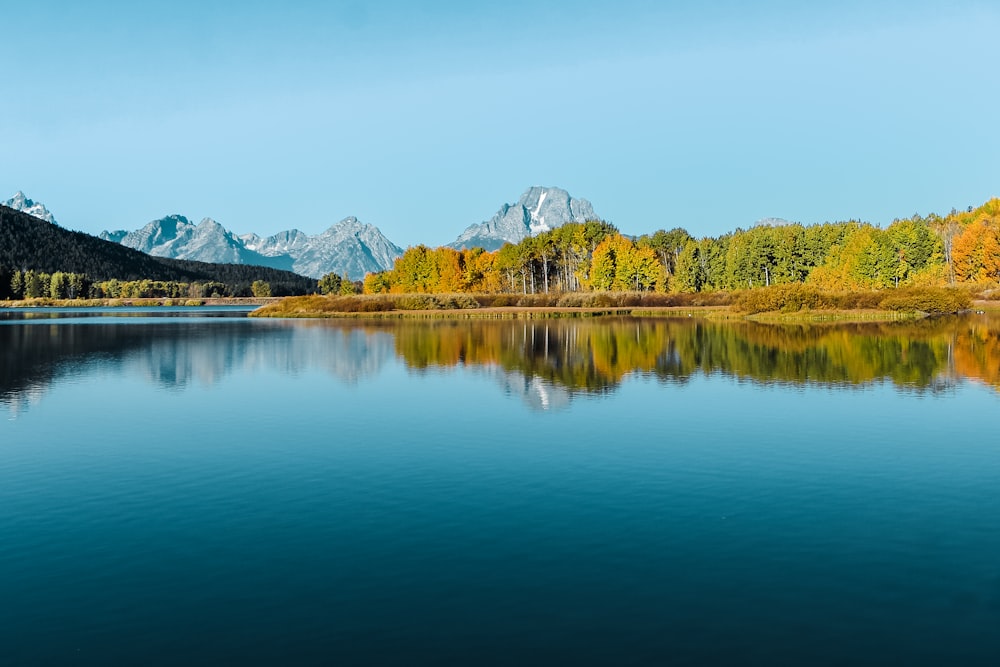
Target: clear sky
{"type": "Point", "coordinates": [424, 117]}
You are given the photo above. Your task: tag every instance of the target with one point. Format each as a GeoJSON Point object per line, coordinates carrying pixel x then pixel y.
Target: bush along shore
{"type": "Point", "coordinates": [786, 302]}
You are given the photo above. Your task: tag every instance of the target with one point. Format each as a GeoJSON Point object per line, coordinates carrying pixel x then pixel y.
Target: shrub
{"type": "Point", "coordinates": [415, 302]}
{"type": "Point", "coordinates": [792, 298]}
{"type": "Point", "coordinates": [465, 301]}
{"type": "Point", "coordinates": [784, 298]}
{"type": "Point", "coordinates": [933, 300]}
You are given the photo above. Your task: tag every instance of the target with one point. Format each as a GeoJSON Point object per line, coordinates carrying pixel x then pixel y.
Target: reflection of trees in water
{"type": "Point", "coordinates": [594, 355]}
{"type": "Point", "coordinates": [543, 361]}
{"type": "Point", "coordinates": [977, 353]}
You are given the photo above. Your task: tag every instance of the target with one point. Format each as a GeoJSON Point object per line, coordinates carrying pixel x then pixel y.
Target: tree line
{"type": "Point", "coordinates": [59, 285]}
{"type": "Point", "coordinates": [962, 247]}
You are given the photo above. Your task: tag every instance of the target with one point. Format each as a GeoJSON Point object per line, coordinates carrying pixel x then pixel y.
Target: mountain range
{"type": "Point", "coordinates": [349, 248]}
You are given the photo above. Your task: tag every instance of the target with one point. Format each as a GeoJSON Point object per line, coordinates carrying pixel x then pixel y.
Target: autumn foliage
{"type": "Point", "coordinates": [822, 259]}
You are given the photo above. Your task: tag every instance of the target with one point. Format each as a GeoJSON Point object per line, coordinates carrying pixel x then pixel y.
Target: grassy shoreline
{"type": "Point", "coordinates": [717, 306]}
{"type": "Point", "coordinates": [792, 305]}
{"type": "Point", "coordinates": [715, 313]}
{"type": "Point", "coordinates": [510, 313]}
{"type": "Point", "coordinates": [140, 303]}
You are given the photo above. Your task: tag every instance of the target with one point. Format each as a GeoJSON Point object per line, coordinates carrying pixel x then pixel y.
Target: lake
{"type": "Point", "coordinates": [185, 487]}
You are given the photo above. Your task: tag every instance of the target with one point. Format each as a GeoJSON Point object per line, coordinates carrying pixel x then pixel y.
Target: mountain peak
{"type": "Point", "coordinates": [771, 222]}
{"type": "Point", "coordinates": [538, 210]}
{"type": "Point", "coordinates": [348, 222]}
{"type": "Point", "coordinates": [20, 202]}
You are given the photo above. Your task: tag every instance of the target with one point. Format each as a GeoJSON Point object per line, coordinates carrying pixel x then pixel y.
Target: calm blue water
{"type": "Point", "coordinates": [220, 490]}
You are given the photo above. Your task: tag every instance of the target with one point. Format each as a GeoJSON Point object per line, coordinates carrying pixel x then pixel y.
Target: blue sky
{"type": "Point", "coordinates": [423, 118]}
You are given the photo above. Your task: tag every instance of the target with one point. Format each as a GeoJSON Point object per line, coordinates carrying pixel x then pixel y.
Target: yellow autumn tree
{"type": "Point", "coordinates": [976, 250]}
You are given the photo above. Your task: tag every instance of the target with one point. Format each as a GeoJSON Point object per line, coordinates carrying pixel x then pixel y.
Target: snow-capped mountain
{"type": "Point", "coordinates": [347, 248]}
{"type": "Point", "coordinates": [35, 209]}
{"type": "Point", "coordinates": [538, 210]}
{"type": "Point", "coordinates": [176, 237]}
{"type": "Point", "coordinates": [290, 242]}
{"type": "Point", "coordinates": [351, 247]}
{"type": "Point", "coordinates": [115, 236]}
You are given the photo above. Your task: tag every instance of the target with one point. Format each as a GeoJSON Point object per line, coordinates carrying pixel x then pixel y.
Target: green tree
{"type": "Point", "coordinates": [17, 285]}
{"type": "Point", "coordinates": [34, 286]}
{"type": "Point", "coordinates": [75, 285]}
{"type": "Point", "coordinates": [509, 264]}
{"type": "Point", "coordinates": [667, 245]}
{"type": "Point", "coordinates": [690, 273]}
{"type": "Point", "coordinates": [378, 283]}
{"type": "Point", "coordinates": [330, 283]}
{"type": "Point", "coordinates": [639, 268]}
{"type": "Point", "coordinates": [216, 289]}
{"type": "Point", "coordinates": [260, 288]}
{"type": "Point", "coordinates": [57, 285]}
{"type": "Point", "coordinates": [912, 247]}
{"type": "Point", "coordinates": [604, 264]}
{"type": "Point", "coordinates": [415, 271]}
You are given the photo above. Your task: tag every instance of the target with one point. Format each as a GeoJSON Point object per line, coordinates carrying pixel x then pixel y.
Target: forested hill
{"type": "Point", "coordinates": [27, 243]}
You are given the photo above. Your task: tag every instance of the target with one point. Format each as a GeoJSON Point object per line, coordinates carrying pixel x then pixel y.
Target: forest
{"type": "Point", "coordinates": [962, 248]}
{"type": "Point", "coordinates": [38, 259]}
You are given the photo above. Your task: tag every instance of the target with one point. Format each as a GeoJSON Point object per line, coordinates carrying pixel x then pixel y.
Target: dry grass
{"type": "Point", "coordinates": [487, 305]}
{"type": "Point", "coordinates": [779, 303]}
{"type": "Point", "coordinates": [796, 297]}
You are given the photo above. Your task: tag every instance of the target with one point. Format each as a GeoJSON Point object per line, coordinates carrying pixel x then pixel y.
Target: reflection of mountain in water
{"type": "Point", "coordinates": [537, 393]}
{"type": "Point", "coordinates": [176, 353]}
{"type": "Point", "coordinates": [347, 354]}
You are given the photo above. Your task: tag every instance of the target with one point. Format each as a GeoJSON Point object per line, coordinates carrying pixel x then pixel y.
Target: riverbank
{"type": "Point", "coordinates": [900, 307]}
{"type": "Point", "coordinates": [714, 306]}
{"type": "Point", "coordinates": [508, 313]}
{"type": "Point", "coordinates": [139, 303]}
